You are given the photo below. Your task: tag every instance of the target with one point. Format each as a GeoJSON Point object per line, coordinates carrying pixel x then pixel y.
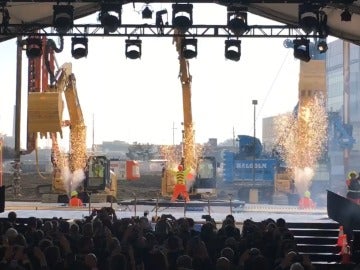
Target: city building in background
{"type": "Point", "coordinates": [337, 73]}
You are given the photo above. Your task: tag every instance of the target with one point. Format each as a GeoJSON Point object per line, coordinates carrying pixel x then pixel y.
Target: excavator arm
{"type": "Point", "coordinates": [188, 135]}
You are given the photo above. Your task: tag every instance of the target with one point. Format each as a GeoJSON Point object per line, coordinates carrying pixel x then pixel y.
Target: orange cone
{"type": "Point", "coordinates": [341, 236]}
{"type": "Point", "coordinates": [345, 252]}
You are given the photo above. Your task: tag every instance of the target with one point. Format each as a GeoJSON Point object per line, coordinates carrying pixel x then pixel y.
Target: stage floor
{"type": "Point", "coordinates": [256, 212]}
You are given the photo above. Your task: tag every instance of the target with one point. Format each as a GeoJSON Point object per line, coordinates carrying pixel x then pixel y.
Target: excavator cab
{"type": "Point", "coordinates": [99, 177]}
{"type": "Point", "coordinates": [205, 179]}
{"type": "Point", "coordinates": [97, 173]}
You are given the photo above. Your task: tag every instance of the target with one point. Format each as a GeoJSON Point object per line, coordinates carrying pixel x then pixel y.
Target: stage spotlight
{"type": "Point", "coordinates": [189, 48]}
{"type": "Point", "coordinates": [237, 20]}
{"type": "Point", "coordinates": [182, 17]}
{"type": "Point", "coordinates": [63, 18]}
{"type": "Point", "coordinates": [308, 18]}
{"type": "Point", "coordinates": [233, 49]}
{"type": "Point", "coordinates": [301, 49]}
{"type": "Point", "coordinates": [133, 48]}
{"type": "Point", "coordinates": [79, 47]}
{"type": "Point", "coordinates": [346, 15]}
{"type": "Point", "coordinates": [33, 47]}
{"type": "Point", "coordinates": [147, 12]}
{"type": "Point", "coordinates": [322, 46]}
{"type": "Point", "coordinates": [110, 17]}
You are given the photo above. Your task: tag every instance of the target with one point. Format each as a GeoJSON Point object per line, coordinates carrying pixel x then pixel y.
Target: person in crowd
{"type": "Point", "coordinates": [103, 241]}
{"type": "Point", "coordinates": [353, 186]}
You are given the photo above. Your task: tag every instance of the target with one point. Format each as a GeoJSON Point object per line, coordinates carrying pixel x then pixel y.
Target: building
{"type": "Point", "coordinates": [335, 103]}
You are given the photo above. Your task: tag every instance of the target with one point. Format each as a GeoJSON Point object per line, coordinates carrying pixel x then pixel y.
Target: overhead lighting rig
{"type": "Point", "coordinates": [63, 18]}
{"type": "Point", "coordinates": [302, 49]}
{"type": "Point", "coordinates": [33, 47]}
{"type": "Point", "coordinates": [233, 49]}
{"type": "Point", "coordinates": [237, 20]}
{"type": "Point", "coordinates": [147, 12]}
{"type": "Point", "coordinates": [110, 16]}
{"type": "Point", "coordinates": [322, 46]}
{"type": "Point", "coordinates": [133, 48]}
{"type": "Point", "coordinates": [309, 17]}
{"type": "Point", "coordinates": [182, 16]}
{"type": "Point", "coordinates": [189, 48]}
{"type": "Point", "coordinates": [79, 47]}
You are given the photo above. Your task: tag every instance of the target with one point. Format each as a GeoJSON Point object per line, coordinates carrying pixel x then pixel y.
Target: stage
{"type": "Point", "coordinates": [196, 209]}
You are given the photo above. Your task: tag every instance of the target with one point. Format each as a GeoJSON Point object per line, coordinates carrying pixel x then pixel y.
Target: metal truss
{"type": "Point", "coordinates": [146, 30]}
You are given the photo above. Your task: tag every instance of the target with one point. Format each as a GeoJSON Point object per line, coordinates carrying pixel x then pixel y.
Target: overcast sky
{"type": "Point", "coordinates": [140, 100]}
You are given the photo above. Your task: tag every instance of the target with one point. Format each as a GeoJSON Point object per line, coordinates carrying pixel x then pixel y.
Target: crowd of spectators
{"type": "Point", "coordinates": [102, 241]}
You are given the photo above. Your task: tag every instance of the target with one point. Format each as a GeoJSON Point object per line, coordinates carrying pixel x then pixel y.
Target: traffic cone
{"type": "Point", "coordinates": [341, 236]}
{"type": "Point", "coordinates": [345, 253]}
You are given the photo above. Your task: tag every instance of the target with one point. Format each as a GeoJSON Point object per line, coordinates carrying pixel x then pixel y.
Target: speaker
{"type": "Point", "coordinates": [2, 199]}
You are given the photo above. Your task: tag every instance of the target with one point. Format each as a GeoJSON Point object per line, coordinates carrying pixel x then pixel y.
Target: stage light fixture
{"type": "Point", "coordinates": [302, 49]}
{"type": "Point", "coordinates": [237, 20]}
{"type": "Point", "coordinates": [345, 15]}
{"type": "Point", "coordinates": [322, 46]}
{"type": "Point", "coordinates": [110, 17]}
{"type": "Point", "coordinates": [182, 16]}
{"type": "Point", "coordinates": [133, 48]}
{"type": "Point", "coordinates": [189, 48]}
{"type": "Point", "coordinates": [79, 47]}
{"type": "Point", "coordinates": [33, 47]}
{"type": "Point", "coordinates": [146, 12]}
{"type": "Point", "coordinates": [308, 18]}
{"type": "Point", "coordinates": [233, 49]}
{"type": "Point", "coordinates": [63, 18]}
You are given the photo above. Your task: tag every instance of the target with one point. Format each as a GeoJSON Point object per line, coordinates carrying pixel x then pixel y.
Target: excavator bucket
{"type": "Point", "coordinates": [45, 112]}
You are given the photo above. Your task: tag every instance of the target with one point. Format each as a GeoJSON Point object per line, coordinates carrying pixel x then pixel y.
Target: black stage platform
{"type": "Point", "coordinates": [192, 205]}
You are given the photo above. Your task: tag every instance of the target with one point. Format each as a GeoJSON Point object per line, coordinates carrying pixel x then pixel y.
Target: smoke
{"type": "Point", "coordinates": [78, 177]}
{"type": "Point", "coordinates": [66, 176]}
{"type": "Point", "coordinates": [72, 180]}
{"type": "Point", "coordinates": [303, 177]}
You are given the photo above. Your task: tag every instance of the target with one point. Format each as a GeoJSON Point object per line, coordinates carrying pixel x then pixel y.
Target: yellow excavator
{"type": "Point", "coordinates": [204, 168]}
{"type": "Point", "coordinates": [71, 171]}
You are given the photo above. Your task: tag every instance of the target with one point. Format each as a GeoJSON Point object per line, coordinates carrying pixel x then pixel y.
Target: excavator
{"type": "Point", "coordinates": [204, 168]}
{"type": "Point", "coordinates": [75, 170]}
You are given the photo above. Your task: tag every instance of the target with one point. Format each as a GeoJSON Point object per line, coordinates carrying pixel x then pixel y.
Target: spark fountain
{"type": "Point", "coordinates": [302, 135]}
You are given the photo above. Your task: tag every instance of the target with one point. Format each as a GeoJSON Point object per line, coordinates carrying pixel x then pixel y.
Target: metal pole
{"type": "Point", "coordinates": [16, 175]}
{"type": "Point", "coordinates": [346, 99]}
{"type": "Point", "coordinates": [230, 197]}
{"type": "Point", "coordinates": [254, 102]}
{"type": "Point", "coordinates": [173, 133]}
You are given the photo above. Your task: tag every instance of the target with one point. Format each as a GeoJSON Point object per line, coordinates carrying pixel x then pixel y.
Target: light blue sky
{"type": "Point", "coordinates": [139, 100]}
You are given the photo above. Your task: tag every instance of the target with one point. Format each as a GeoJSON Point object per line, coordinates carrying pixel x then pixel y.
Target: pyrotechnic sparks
{"type": "Point", "coordinates": [187, 153]}
{"type": "Point", "coordinates": [302, 138]}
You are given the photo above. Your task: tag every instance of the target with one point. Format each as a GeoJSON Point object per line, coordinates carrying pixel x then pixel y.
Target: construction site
{"type": "Point", "coordinates": [299, 170]}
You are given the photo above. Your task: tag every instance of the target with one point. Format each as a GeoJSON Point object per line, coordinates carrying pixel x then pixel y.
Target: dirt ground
{"type": "Point", "coordinates": [148, 186]}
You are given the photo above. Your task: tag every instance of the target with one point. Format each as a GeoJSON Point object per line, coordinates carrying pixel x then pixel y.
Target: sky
{"type": "Point", "coordinates": [140, 100]}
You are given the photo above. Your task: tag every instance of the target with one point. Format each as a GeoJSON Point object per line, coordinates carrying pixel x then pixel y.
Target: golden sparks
{"type": "Point", "coordinates": [302, 138]}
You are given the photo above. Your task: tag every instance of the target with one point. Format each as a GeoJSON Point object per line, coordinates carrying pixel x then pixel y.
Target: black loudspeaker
{"type": "Point", "coordinates": [2, 199]}
{"type": "Point", "coordinates": [63, 198]}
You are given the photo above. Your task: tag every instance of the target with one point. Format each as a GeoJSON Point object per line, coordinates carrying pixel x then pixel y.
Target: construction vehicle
{"type": "Point", "coordinates": [45, 117]}
{"type": "Point", "coordinates": [203, 176]}
{"type": "Point", "coordinates": [270, 175]}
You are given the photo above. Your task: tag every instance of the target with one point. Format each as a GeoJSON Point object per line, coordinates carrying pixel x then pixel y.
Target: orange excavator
{"type": "Point", "coordinates": [45, 118]}
{"type": "Point", "coordinates": [203, 168]}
